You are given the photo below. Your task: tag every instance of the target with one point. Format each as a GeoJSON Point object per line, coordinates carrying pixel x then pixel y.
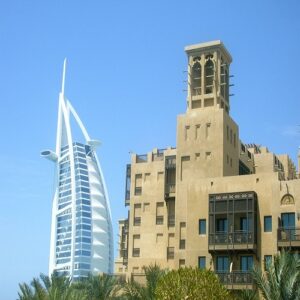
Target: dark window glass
{"type": "Point", "coordinates": [268, 224]}
{"type": "Point", "coordinates": [202, 226]}
{"type": "Point", "coordinates": [201, 262]}
{"type": "Point", "coordinates": [222, 225]}
{"type": "Point", "coordinates": [222, 264]}
{"type": "Point", "coordinates": [243, 224]}
{"type": "Point", "coordinates": [288, 220]}
{"type": "Point", "coordinates": [246, 263]}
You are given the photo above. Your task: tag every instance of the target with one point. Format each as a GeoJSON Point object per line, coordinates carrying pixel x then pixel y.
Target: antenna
{"type": "Point", "coordinates": [63, 77]}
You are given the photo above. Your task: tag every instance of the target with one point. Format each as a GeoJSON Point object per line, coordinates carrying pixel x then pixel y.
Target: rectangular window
{"type": "Point", "coordinates": [159, 220]}
{"type": "Point", "coordinates": [207, 130]}
{"type": "Point", "coordinates": [147, 176]}
{"type": "Point", "coordinates": [201, 262]}
{"type": "Point", "coordinates": [184, 166]}
{"type": "Point", "coordinates": [138, 184]}
{"type": "Point", "coordinates": [288, 220]}
{"type": "Point", "coordinates": [222, 264]}
{"type": "Point", "coordinates": [159, 213]}
{"type": "Point", "coordinates": [222, 225]}
{"type": "Point", "coordinates": [267, 261]}
{"type": "Point", "coordinates": [246, 263]}
{"type": "Point", "coordinates": [268, 224]}
{"type": "Point", "coordinates": [182, 244]}
{"type": "Point", "coordinates": [197, 134]}
{"type": "Point", "coordinates": [207, 155]}
{"type": "Point", "coordinates": [159, 237]}
{"type": "Point", "coordinates": [137, 215]}
{"type": "Point", "coordinates": [187, 132]}
{"type": "Point", "coordinates": [181, 263]}
{"type": "Point", "coordinates": [136, 245]}
{"type": "Point", "coordinates": [202, 226]}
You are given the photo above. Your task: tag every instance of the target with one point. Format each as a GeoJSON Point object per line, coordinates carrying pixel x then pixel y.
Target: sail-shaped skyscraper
{"type": "Point", "coordinates": [81, 229]}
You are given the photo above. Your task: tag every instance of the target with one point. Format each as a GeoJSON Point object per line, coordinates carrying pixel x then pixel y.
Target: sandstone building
{"type": "Point", "coordinates": [212, 201]}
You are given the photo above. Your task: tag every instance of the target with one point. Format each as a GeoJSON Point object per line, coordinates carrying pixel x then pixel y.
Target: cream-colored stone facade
{"type": "Point", "coordinates": [212, 201]}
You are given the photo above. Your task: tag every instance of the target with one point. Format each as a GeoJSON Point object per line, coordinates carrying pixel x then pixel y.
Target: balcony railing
{"type": "Point", "coordinates": [289, 237]}
{"type": "Point", "coordinates": [235, 278]}
{"type": "Point", "coordinates": [170, 188]}
{"type": "Point", "coordinates": [236, 239]}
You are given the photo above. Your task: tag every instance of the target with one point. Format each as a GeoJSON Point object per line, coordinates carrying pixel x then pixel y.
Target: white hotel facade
{"type": "Point", "coordinates": [81, 228]}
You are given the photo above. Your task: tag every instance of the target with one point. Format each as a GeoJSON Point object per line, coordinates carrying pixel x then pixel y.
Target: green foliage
{"type": "Point", "coordinates": [135, 291]}
{"type": "Point", "coordinates": [190, 284]}
{"type": "Point", "coordinates": [282, 278]}
{"type": "Point", "coordinates": [99, 287]}
{"type": "Point", "coordinates": [247, 294]}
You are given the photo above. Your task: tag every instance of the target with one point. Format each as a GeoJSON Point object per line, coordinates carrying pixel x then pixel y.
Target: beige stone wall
{"type": "Point", "coordinates": [208, 153]}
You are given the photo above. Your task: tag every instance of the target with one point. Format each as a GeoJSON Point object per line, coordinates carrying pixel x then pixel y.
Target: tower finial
{"type": "Point", "coordinates": [63, 77]}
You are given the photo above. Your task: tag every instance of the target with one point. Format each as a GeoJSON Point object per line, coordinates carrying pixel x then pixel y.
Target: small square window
{"type": "Point", "coordinates": [201, 262]}
{"type": "Point", "coordinates": [181, 263]}
{"type": "Point", "coordinates": [202, 226]}
{"type": "Point", "coordinates": [268, 224]}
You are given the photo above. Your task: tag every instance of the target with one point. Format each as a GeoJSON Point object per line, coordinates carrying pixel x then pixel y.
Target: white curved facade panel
{"type": "Point", "coordinates": [81, 230]}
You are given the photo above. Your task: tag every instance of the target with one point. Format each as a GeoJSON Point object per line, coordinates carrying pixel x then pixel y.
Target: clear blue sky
{"type": "Point", "coordinates": [125, 78]}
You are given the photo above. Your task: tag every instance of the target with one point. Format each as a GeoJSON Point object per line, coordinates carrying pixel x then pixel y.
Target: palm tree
{"type": "Point", "coordinates": [247, 294]}
{"type": "Point", "coordinates": [99, 287]}
{"type": "Point", "coordinates": [135, 291]}
{"type": "Point", "coordinates": [281, 280]}
{"type": "Point", "coordinates": [55, 287]}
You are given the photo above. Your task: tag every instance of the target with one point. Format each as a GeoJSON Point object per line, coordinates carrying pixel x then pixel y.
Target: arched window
{"type": "Point", "coordinates": [209, 76]}
{"type": "Point", "coordinates": [196, 78]}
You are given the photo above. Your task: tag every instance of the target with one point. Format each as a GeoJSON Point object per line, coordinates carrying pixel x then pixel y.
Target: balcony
{"type": "Point", "coordinates": [288, 237]}
{"type": "Point", "coordinates": [127, 184]}
{"type": "Point", "coordinates": [170, 177]}
{"type": "Point", "coordinates": [236, 280]}
{"type": "Point", "coordinates": [170, 188]}
{"type": "Point", "coordinates": [233, 221]}
{"type": "Point", "coordinates": [237, 240]}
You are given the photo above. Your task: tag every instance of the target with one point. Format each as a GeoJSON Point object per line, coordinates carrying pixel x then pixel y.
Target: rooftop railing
{"type": "Point", "coordinates": [141, 158]}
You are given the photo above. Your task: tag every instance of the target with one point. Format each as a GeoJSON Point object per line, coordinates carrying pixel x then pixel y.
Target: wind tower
{"type": "Point", "coordinates": [81, 229]}
{"type": "Point", "coordinates": [206, 133]}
